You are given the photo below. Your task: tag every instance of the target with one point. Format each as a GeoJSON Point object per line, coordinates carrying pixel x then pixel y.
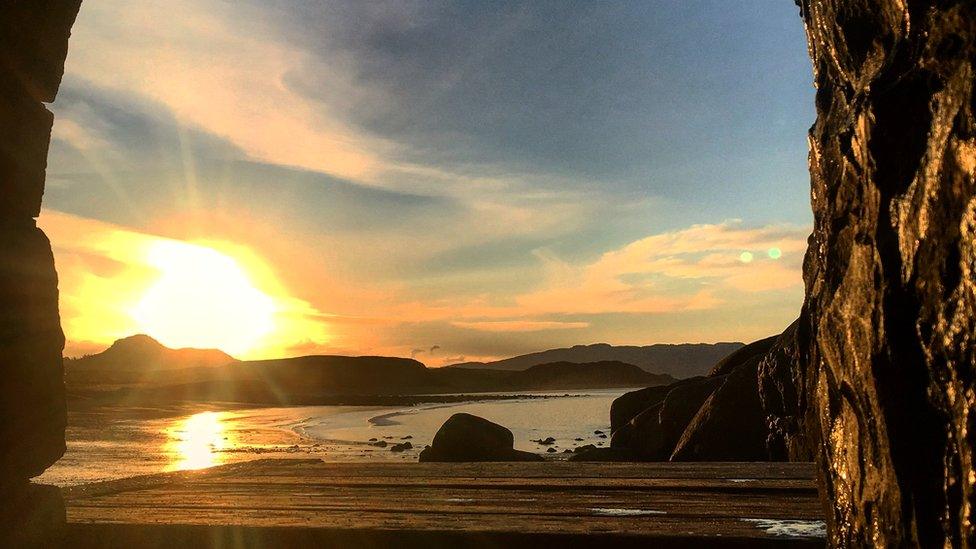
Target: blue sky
{"type": "Point", "coordinates": [488, 177]}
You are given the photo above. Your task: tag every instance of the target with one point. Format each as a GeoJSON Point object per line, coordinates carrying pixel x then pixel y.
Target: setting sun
{"type": "Point", "coordinates": [203, 298]}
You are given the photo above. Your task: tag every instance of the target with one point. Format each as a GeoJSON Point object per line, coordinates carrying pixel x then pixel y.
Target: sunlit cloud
{"type": "Point", "coordinates": [216, 68]}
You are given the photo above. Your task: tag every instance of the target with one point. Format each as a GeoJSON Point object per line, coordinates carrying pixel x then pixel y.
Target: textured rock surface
{"type": "Point", "coordinates": [886, 341]}
{"type": "Point", "coordinates": [33, 45]}
{"type": "Point", "coordinates": [778, 379]}
{"type": "Point", "coordinates": [465, 437]}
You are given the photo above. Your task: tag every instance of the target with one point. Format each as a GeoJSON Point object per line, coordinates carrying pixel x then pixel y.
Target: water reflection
{"type": "Point", "coordinates": [198, 441]}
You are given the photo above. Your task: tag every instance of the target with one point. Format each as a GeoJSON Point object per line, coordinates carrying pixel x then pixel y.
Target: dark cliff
{"type": "Point", "coordinates": [886, 349]}
{"type": "Point", "coordinates": [33, 45]}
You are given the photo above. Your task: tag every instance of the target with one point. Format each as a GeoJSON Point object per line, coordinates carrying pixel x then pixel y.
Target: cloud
{"type": "Point", "coordinates": [520, 325]}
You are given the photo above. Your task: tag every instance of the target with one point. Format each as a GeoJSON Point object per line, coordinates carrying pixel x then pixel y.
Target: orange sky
{"type": "Point", "coordinates": [314, 177]}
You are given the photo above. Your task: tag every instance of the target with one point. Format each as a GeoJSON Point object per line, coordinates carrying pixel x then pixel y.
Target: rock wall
{"type": "Point", "coordinates": [886, 340]}
{"type": "Point", "coordinates": [33, 45]}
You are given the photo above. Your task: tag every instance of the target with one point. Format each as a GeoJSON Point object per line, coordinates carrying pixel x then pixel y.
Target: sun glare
{"type": "Point", "coordinates": [203, 298]}
{"type": "Point", "coordinates": [196, 442]}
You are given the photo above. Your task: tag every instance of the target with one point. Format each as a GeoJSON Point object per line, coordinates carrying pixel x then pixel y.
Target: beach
{"type": "Point", "coordinates": [111, 442]}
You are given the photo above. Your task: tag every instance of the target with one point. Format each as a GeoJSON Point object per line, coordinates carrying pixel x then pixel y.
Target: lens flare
{"type": "Point", "coordinates": [746, 257]}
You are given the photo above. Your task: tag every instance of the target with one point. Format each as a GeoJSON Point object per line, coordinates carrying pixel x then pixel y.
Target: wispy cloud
{"type": "Point", "coordinates": [520, 325]}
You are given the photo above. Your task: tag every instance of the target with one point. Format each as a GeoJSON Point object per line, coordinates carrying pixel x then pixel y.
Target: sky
{"type": "Point", "coordinates": [445, 180]}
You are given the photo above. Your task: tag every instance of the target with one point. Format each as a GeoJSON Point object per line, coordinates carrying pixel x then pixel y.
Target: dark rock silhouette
{"type": "Point", "coordinates": [719, 417]}
{"type": "Point", "coordinates": [465, 437]}
{"type": "Point", "coordinates": [33, 45]}
{"type": "Point", "coordinates": [730, 425]}
{"type": "Point", "coordinates": [141, 359]}
{"type": "Point", "coordinates": [886, 348]}
{"type": "Point", "coordinates": [679, 361]}
{"type": "Point", "coordinates": [652, 434]}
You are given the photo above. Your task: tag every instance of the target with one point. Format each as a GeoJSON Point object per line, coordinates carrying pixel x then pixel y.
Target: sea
{"type": "Point", "coordinates": [113, 442]}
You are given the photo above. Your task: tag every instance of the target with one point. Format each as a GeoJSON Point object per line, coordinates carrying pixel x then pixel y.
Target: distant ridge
{"type": "Point", "coordinates": [677, 360]}
{"type": "Point", "coordinates": [140, 369]}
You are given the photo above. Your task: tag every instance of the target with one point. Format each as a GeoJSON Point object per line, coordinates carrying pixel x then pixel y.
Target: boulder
{"type": "Point", "coordinates": [625, 407]}
{"type": "Point", "coordinates": [730, 425]}
{"type": "Point", "coordinates": [401, 447]}
{"type": "Point", "coordinates": [652, 434]}
{"type": "Point", "coordinates": [465, 437]}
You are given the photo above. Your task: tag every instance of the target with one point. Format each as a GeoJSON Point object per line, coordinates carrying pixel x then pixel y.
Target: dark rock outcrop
{"type": "Point", "coordinates": [886, 339]}
{"type": "Point", "coordinates": [754, 349]}
{"type": "Point", "coordinates": [652, 434]}
{"type": "Point", "coordinates": [625, 407]}
{"type": "Point", "coordinates": [33, 45]}
{"type": "Point", "coordinates": [786, 438]}
{"type": "Point", "coordinates": [730, 425]}
{"type": "Point", "coordinates": [465, 437]}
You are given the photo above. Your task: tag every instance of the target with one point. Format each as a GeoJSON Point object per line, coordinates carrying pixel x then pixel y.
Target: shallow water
{"type": "Point", "coordinates": [118, 442]}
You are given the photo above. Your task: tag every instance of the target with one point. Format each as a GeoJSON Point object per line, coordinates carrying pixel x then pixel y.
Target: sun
{"type": "Point", "coordinates": [202, 298]}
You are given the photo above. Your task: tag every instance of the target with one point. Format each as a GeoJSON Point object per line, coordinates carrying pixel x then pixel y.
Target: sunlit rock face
{"type": "Point", "coordinates": [33, 45]}
{"type": "Point", "coordinates": [886, 343]}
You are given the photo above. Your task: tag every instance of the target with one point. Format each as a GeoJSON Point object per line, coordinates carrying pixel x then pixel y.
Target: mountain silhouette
{"type": "Point", "coordinates": [677, 360]}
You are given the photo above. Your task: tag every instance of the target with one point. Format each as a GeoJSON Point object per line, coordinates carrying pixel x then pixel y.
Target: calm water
{"type": "Point", "coordinates": [118, 442]}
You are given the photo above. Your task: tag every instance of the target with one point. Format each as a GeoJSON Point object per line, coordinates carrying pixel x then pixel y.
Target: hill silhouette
{"type": "Point", "coordinates": [677, 360]}
{"type": "Point", "coordinates": [141, 369]}
{"type": "Point", "coordinates": [140, 359]}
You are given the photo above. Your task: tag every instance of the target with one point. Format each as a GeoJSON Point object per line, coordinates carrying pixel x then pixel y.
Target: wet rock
{"type": "Point", "coordinates": [380, 444]}
{"type": "Point", "coordinates": [408, 437]}
{"type": "Point", "coordinates": [544, 442]}
{"type": "Point", "coordinates": [465, 437]}
{"type": "Point", "coordinates": [886, 344]}
{"type": "Point", "coordinates": [551, 450]}
{"type": "Point", "coordinates": [584, 448]}
{"type": "Point", "coordinates": [401, 447]}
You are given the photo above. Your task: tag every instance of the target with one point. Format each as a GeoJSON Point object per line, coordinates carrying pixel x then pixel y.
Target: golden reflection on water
{"type": "Point", "coordinates": [198, 441]}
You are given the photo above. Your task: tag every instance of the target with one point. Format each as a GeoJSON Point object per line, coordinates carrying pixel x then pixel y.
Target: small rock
{"type": "Point", "coordinates": [598, 432]}
{"type": "Point", "coordinates": [408, 437]}
{"type": "Point", "coordinates": [401, 447]}
{"type": "Point", "coordinates": [380, 444]}
{"type": "Point", "coordinates": [551, 450]}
